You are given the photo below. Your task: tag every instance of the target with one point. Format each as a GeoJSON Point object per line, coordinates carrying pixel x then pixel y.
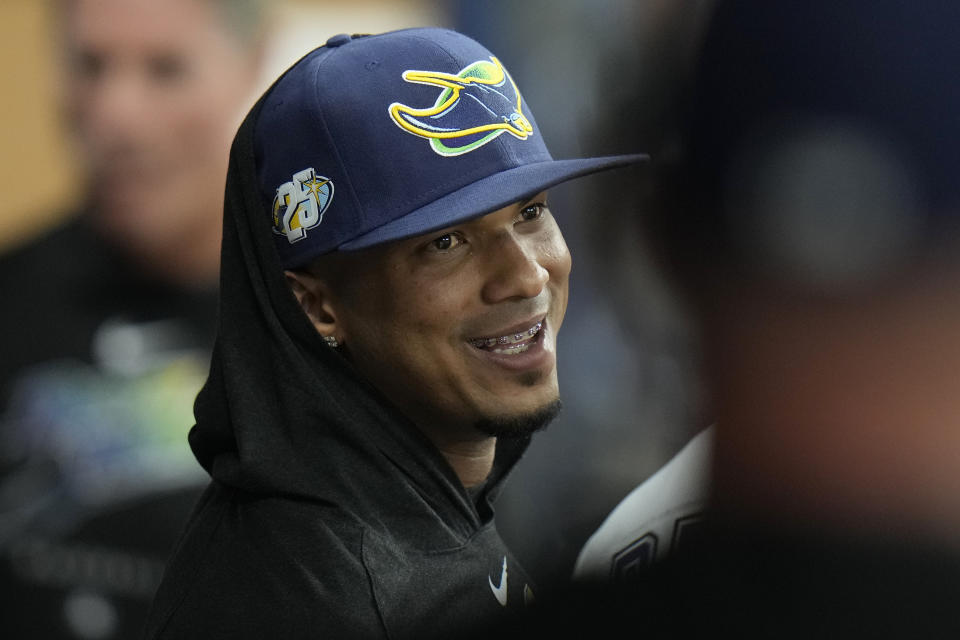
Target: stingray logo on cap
{"type": "Point", "coordinates": [299, 204]}
{"type": "Point", "coordinates": [475, 106]}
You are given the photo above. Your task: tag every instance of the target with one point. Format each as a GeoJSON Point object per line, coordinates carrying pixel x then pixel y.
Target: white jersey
{"type": "Point", "coordinates": [654, 518]}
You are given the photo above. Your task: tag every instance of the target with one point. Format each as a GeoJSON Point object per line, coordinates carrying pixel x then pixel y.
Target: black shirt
{"type": "Point", "coordinates": [99, 369]}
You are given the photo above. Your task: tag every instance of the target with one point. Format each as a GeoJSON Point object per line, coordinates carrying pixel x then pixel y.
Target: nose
{"type": "Point", "coordinates": [517, 270]}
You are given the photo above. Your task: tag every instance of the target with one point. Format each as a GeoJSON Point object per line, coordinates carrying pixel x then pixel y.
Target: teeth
{"type": "Point", "coordinates": [509, 340]}
{"type": "Point", "coordinates": [517, 348]}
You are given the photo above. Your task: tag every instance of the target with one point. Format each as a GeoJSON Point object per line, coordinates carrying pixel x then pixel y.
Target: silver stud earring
{"type": "Point", "coordinates": [331, 341]}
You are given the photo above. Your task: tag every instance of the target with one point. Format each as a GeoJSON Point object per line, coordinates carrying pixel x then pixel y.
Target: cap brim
{"type": "Point", "coordinates": [487, 195]}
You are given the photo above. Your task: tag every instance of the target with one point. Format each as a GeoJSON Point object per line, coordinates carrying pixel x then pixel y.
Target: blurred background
{"type": "Point", "coordinates": [601, 77]}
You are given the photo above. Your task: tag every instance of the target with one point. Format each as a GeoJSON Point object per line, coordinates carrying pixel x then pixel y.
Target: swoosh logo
{"type": "Point", "coordinates": [500, 591]}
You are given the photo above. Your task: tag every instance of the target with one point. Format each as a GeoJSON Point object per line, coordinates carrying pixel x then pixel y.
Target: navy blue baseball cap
{"type": "Point", "coordinates": [374, 138]}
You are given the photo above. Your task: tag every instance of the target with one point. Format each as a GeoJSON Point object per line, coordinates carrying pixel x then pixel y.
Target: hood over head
{"type": "Point", "coordinates": [365, 140]}
{"type": "Point", "coordinates": [283, 414]}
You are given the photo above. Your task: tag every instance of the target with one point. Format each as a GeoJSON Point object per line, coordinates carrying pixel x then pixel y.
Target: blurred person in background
{"type": "Point", "coordinates": [108, 320]}
{"type": "Point", "coordinates": [809, 215]}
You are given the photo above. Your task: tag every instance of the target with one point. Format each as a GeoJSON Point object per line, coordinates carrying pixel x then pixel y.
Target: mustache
{"type": "Point", "coordinates": [120, 152]}
{"type": "Point", "coordinates": [510, 315]}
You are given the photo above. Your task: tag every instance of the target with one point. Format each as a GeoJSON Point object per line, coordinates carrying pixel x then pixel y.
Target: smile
{"type": "Point", "coordinates": [509, 344]}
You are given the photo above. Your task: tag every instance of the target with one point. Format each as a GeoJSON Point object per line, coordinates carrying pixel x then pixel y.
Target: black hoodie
{"type": "Point", "coordinates": [329, 514]}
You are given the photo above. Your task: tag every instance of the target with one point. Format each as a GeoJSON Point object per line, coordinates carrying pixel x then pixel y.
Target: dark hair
{"type": "Point", "coordinates": [245, 19]}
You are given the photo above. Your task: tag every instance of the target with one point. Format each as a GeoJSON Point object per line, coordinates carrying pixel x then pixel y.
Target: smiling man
{"type": "Point", "coordinates": [392, 287]}
{"type": "Point", "coordinates": [457, 327]}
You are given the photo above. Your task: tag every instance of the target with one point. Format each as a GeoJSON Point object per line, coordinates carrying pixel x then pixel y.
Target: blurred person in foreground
{"type": "Point", "coordinates": [812, 222]}
{"type": "Point", "coordinates": [108, 320]}
{"type": "Point", "coordinates": [393, 284]}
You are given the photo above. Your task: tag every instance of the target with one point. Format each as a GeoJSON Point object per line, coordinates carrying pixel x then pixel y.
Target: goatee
{"type": "Point", "coordinates": [520, 425]}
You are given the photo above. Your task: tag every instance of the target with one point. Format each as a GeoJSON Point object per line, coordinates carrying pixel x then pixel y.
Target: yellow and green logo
{"type": "Point", "coordinates": [474, 106]}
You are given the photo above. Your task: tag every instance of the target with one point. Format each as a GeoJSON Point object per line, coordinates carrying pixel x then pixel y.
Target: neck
{"type": "Point", "coordinates": [191, 262]}
{"type": "Point", "coordinates": [190, 265]}
{"type": "Point", "coordinates": [472, 461]}
{"type": "Point", "coordinates": [469, 451]}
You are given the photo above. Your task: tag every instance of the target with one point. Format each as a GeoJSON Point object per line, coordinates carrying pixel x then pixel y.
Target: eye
{"type": "Point", "coordinates": [533, 211]}
{"type": "Point", "coordinates": [89, 65]}
{"type": "Point", "coordinates": [446, 242]}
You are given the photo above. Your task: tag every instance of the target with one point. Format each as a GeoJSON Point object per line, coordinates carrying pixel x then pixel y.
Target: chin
{"type": "Point", "coordinates": [521, 423]}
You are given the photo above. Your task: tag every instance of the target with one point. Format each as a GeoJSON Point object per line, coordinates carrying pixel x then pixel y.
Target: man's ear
{"type": "Point", "coordinates": [315, 299]}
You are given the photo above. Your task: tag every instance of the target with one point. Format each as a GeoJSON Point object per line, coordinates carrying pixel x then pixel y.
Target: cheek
{"type": "Point", "coordinates": [202, 114]}
{"type": "Point", "coordinates": [563, 262]}
{"type": "Point", "coordinates": [434, 301]}
{"type": "Point", "coordinates": [387, 314]}
{"type": "Point", "coordinates": [554, 254]}
{"type": "Point", "coordinates": [433, 312]}
{"type": "Point", "coordinates": [557, 261]}
{"type": "Point", "coordinates": [203, 126]}
{"type": "Point", "coordinates": [404, 349]}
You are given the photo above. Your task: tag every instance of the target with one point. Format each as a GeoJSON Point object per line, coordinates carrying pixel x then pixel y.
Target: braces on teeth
{"type": "Point", "coordinates": [507, 340]}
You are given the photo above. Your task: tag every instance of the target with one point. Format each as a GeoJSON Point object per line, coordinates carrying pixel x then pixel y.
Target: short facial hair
{"type": "Point", "coordinates": [524, 424]}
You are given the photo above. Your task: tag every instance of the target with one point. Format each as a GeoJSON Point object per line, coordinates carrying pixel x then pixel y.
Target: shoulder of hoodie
{"type": "Point", "coordinates": [255, 567]}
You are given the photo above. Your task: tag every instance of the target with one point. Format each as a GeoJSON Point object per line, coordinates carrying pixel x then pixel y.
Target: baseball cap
{"type": "Point", "coordinates": [373, 138]}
